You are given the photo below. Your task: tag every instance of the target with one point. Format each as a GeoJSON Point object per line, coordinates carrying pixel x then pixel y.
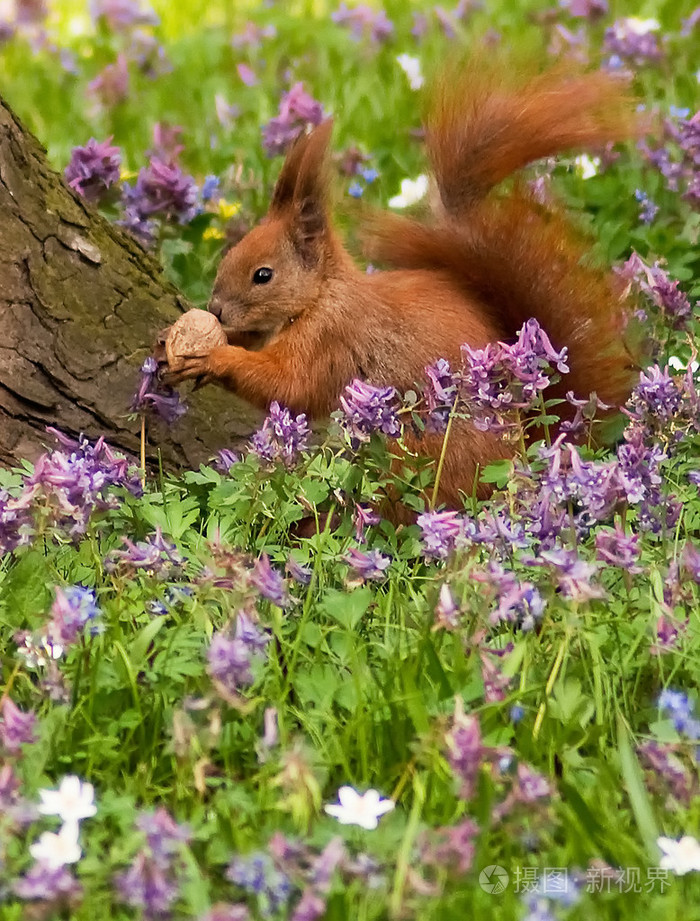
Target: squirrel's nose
{"type": "Point", "coordinates": [215, 306]}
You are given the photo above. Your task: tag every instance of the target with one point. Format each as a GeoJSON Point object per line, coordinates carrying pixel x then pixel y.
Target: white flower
{"type": "Point", "coordinates": [412, 190]}
{"type": "Point", "coordinates": [359, 809]}
{"type": "Point", "coordinates": [411, 67]}
{"type": "Point", "coordinates": [57, 850]}
{"type": "Point", "coordinates": [680, 857]}
{"type": "Point", "coordinates": [587, 166]}
{"type": "Point", "coordinates": [72, 801]}
{"type": "Point", "coordinates": [678, 365]}
{"type": "Point", "coordinates": [641, 26]}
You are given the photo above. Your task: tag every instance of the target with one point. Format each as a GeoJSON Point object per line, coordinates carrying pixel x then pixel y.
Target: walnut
{"type": "Point", "coordinates": [195, 333]}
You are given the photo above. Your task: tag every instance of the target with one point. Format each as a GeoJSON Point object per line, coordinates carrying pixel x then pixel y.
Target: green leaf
{"type": "Point", "coordinates": [143, 640]}
{"type": "Point", "coordinates": [346, 608]}
{"type": "Point", "coordinates": [639, 798]}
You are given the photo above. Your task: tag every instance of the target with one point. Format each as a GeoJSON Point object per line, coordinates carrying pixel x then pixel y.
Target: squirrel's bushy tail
{"type": "Point", "coordinates": [489, 118]}
{"type": "Point", "coordinates": [517, 258]}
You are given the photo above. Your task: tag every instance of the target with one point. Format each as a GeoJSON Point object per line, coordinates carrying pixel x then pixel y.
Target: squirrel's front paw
{"type": "Point", "coordinates": [188, 367]}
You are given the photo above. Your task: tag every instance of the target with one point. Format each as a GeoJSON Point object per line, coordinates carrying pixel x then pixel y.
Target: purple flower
{"type": "Point", "coordinates": [619, 549]}
{"type": "Point", "coordinates": [519, 603]}
{"type": "Point", "coordinates": [256, 874]}
{"type": "Point", "coordinates": [504, 376]}
{"type": "Point", "coordinates": [638, 465]}
{"type": "Point", "coordinates": [310, 907]}
{"type": "Point", "coordinates": [441, 393]}
{"type": "Point", "coordinates": [228, 662]}
{"type": "Point", "coordinates": [163, 834]}
{"type": "Point", "coordinates": [210, 188]}
{"type": "Point", "coordinates": [446, 610]}
{"type": "Point", "coordinates": [420, 25]}
{"type": "Point", "coordinates": [167, 145]}
{"type": "Point", "coordinates": [148, 886]}
{"type": "Point", "coordinates": [324, 866]}
{"type": "Point", "coordinates": [495, 682]}
{"type": "Point", "coordinates": [297, 110]}
{"type": "Point", "coordinates": [447, 21]}
{"type": "Point", "coordinates": [247, 74]}
{"type": "Point", "coordinates": [229, 657]}
{"type": "Point", "coordinates": [155, 396]}
{"type": "Point", "coordinates": [300, 574]}
{"type": "Point", "coordinates": [47, 884]}
{"type": "Point", "coordinates": [574, 575]}
{"type": "Point", "coordinates": [155, 555]}
{"type": "Point", "coordinates": [666, 767]}
{"type": "Point", "coordinates": [16, 523]}
{"type": "Point", "coordinates": [454, 846]}
{"type": "Point", "coordinates": [282, 437]}
{"type": "Point", "coordinates": [680, 709]}
{"type": "Point", "coordinates": [162, 189]}
{"type": "Point", "coordinates": [226, 459]}
{"type": "Point", "coordinates": [93, 168]}
{"type": "Point", "coordinates": [122, 14]}
{"type": "Point", "coordinates": [585, 9]}
{"type": "Point", "coordinates": [68, 487]}
{"type": "Point", "coordinates": [465, 751]}
{"type": "Point", "coordinates": [269, 582]}
{"type": "Point", "coordinates": [630, 40]}
{"type": "Point", "coordinates": [529, 786]}
{"type": "Point", "coordinates": [364, 518]}
{"type": "Point", "coordinates": [16, 728]}
{"type": "Point", "coordinates": [368, 409]}
{"type": "Point", "coordinates": [363, 20]}
{"type": "Point", "coordinates": [370, 565]}
{"type": "Point", "coordinates": [252, 35]}
{"type": "Point", "coordinates": [73, 608]}
{"type": "Point", "coordinates": [111, 85]}
{"type": "Point", "coordinates": [690, 560]}
{"type": "Point", "coordinates": [647, 208]}
{"type": "Point", "coordinates": [441, 533]}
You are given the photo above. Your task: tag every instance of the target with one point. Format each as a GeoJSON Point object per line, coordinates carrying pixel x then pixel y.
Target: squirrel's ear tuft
{"type": "Point", "coordinates": [309, 220]}
{"type": "Point", "coordinates": [283, 196]}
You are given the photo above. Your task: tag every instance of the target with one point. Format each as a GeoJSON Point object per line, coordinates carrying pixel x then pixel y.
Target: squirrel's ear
{"type": "Point", "coordinates": [309, 219]}
{"type": "Point", "coordinates": [283, 196]}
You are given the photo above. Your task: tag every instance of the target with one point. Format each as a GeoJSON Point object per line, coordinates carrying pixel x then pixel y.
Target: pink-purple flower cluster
{"type": "Point", "coordinates": [368, 409]}
{"type": "Point", "coordinates": [63, 491]}
{"type": "Point", "coordinates": [517, 603]}
{"type": "Point", "coordinates": [154, 555]}
{"type": "Point", "coordinates": [94, 168]}
{"type": "Point", "coordinates": [122, 14]}
{"type": "Point", "coordinates": [231, 653]}
{"type": "Point", "coordinates": [630, 41]}
{"type": "Point", "coordinates": [73, 609]}
{"type": "Point", "coordinates": [162, 190]}
{"type": "Point", "coordinates": [153, 881]}
{"type": "Point", "coordinates": [364, 22]}
{"type": "Point", "coordinates": [282, 437]}
{"type": "Point", "coordinates": [155, 396]}
{"type": "Point", "coordinates": [297, 110]}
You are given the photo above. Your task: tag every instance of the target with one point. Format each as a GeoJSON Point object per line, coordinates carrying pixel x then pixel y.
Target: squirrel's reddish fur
{"type": "Point", "coordinates": [474, 273]}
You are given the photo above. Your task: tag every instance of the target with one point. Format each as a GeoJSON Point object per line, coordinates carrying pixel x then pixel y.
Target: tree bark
{"type": "Point", "coordinates": [80, 305]}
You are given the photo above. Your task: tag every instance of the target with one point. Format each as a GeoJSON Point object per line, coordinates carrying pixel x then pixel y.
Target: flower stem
{"type": "Point", "coordinates": [441, 461]}
{"type": "Point", "coordinates": [143, 450]}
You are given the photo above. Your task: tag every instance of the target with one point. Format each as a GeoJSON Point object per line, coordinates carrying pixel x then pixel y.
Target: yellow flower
{"type": "Point", "coordinates": [227, 209]}
{"type": "Point", "coordinates": [213, 233]}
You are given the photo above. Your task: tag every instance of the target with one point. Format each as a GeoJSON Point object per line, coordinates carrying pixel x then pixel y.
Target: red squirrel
{"type": "Point", "coordinates": [311, 320]}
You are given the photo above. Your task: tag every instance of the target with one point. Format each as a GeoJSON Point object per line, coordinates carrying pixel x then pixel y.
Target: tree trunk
{"type": "Point", "coordinates": [80, 305]}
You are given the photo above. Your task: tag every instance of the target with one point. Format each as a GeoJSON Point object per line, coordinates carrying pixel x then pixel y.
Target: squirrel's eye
{"type": "Point", "coordinates": [262, 276]}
